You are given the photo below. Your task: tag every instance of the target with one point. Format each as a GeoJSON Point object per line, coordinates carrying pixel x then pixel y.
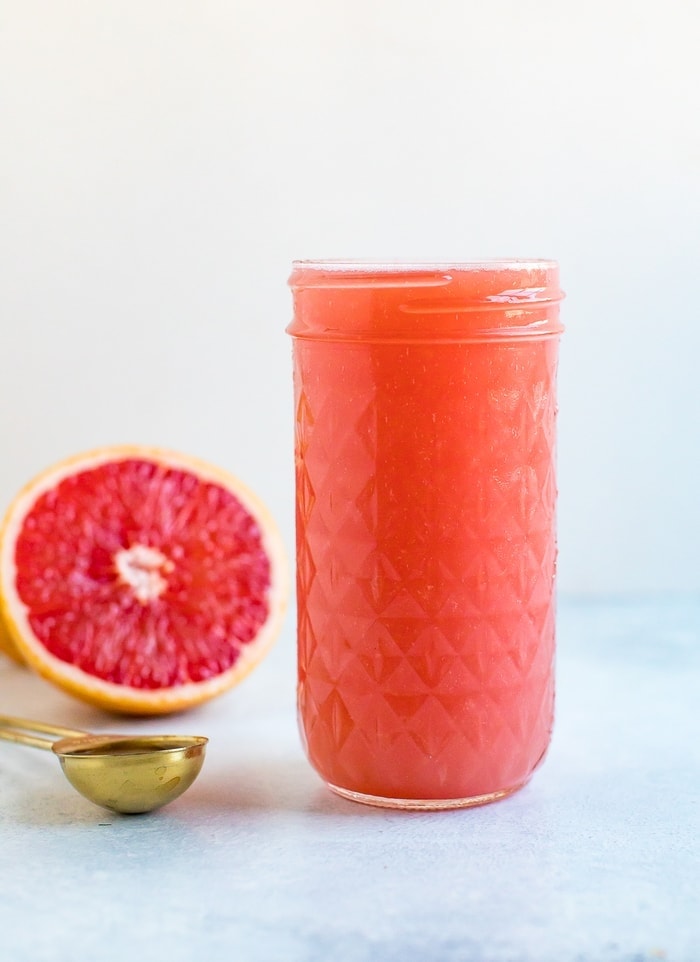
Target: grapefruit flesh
{"type": "Point", "coordinates": [140, 580]}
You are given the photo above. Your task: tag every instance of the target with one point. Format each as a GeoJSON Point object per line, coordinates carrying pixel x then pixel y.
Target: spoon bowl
{"type": "Point", "coordinates": [131, 774]}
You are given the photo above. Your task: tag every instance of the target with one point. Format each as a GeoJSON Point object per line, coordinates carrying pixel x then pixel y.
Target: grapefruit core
{"type": "Point", "coordinates": [140, 580]}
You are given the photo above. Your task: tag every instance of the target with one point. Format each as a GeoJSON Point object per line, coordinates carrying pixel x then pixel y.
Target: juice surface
{"type": "Point", "coordinates": [425, 533]}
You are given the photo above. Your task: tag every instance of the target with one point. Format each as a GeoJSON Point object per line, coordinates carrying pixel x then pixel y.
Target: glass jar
{"type": "Point", "coordinates": [425, 518]}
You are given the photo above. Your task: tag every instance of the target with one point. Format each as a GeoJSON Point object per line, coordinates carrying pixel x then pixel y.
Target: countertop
{"type": "Point", "coordinates": [596, 860]}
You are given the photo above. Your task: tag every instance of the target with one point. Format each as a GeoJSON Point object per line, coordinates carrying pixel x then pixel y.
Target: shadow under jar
{"type": "Point", "coordinates": [425, 517]}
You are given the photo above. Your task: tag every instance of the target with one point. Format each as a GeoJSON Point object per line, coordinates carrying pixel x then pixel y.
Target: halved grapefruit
{"type": "Point", "coordinates": [139, 579]}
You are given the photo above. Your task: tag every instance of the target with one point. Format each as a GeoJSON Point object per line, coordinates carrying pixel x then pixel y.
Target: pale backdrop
{"type": "Point", "coordinates": [162, 161]}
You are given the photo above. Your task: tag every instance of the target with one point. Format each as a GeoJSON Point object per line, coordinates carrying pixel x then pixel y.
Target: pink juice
{"type": "Point", "coordinates": [425, 432]}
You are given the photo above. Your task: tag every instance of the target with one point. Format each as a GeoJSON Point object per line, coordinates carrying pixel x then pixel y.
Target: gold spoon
{"type": "Point", "coordinates": [126, 773]}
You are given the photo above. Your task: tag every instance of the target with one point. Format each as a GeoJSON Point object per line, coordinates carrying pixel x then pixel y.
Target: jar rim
{"type": "Point", "coordinates": [382, 266]}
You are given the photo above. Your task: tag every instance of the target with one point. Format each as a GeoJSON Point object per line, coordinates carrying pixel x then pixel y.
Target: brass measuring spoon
{"type": "Point", "coordinates": [125, 773]}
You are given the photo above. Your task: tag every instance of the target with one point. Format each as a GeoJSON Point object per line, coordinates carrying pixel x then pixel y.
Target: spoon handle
{"type": "Point", "coordinates": [17, 730]}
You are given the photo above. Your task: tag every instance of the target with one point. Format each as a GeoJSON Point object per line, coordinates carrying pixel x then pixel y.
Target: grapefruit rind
{"type": "Point", "coordinates": [7, 645]}
{"type": "Point", "coordinates": [20, 642]}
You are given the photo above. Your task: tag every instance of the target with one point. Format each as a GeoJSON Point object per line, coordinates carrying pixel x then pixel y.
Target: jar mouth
{"type": "Point", "coordinates": [369, 266]}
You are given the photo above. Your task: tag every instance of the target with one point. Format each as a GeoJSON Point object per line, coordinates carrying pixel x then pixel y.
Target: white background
{"type": "Point", "coordinates": [162, 162]}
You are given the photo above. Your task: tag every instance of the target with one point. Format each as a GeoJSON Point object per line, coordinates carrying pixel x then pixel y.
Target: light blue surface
{"type": "Point", "coordinates": [597, 860]}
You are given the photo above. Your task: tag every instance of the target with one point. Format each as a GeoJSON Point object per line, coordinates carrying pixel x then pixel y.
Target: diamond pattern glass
{"type": "Point", "coordinates": [425, 566]}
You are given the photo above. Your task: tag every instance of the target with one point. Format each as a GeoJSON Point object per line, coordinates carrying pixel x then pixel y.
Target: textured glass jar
{"type": "Point", "coordinates": [425, 492]}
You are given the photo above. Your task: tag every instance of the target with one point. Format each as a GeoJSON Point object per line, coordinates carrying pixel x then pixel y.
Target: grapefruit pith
{"type": "Point", "coordinates": [140, 580]}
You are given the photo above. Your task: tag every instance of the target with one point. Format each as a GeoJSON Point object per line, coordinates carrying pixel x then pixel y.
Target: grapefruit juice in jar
{"type": "Point", "coordinates": [425, 518]}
